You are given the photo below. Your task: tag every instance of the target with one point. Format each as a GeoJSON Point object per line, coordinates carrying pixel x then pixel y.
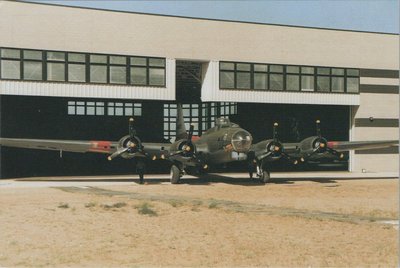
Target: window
{"type": "Point", "coordinates": [98, 69]}
{"type": "Point", "coordinates": [32, 65]}
{"type": "Point", "coordinates": [118, 70]}
{"type": "Point", "coordinates": [98, 108]}
{"type": "Point", "coordinates": [307, 78]}
{"type": "Point", "coordinates": [76, 67]}
{"type": "Point", "coordinates": [352, 81]}
{"type": "Point", "coordinates": [323, 79]}
{"type": "Point", "coordinates": [337, 80]}
{"type": "Point", "coordinates": [276, 77]}
{"type": "Point", "coordinates": [138, 71]}
{"type": "Point", "coordinates": [156, 72]}
{"type": "Point", "coordinates": [292, 78]}
{"type": "Point", "coordinates": [55, 66]}
{"type": "Point", "coordinates": [147, 71]}
{"type": "Point", "coordinates": [260, 76]}
{"type": "Point", "coordinates": [243, 75]}
{"type": "Point", "coordinates": [10, 63]}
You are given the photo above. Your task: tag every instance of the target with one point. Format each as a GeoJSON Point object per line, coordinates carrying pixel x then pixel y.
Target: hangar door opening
{"type": "Point", "coordinates": [188, 81]}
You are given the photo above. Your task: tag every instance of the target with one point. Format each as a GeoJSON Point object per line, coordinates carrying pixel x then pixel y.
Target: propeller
{"type": "Point", "coordinates": [186, 147]}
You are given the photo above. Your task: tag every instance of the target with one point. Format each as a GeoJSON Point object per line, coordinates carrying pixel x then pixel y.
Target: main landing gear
{"type": "Point", "coordinates": [176, 174]}
{"type": "Point", "coordinates": [262, 173]}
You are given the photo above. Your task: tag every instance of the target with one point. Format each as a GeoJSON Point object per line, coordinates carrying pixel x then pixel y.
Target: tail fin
{"type": "Point", "coordinates": [181, 132]}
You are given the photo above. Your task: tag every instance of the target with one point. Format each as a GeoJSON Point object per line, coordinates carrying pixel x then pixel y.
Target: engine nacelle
{"type": "Point", "coordinates": [272, 149]}
{"type": "Point", "coordinates": [314, 144]}
{"type": "Point", "coordinates": [134, 146]}
{"type": "Point", "coordinates": [184, 147]}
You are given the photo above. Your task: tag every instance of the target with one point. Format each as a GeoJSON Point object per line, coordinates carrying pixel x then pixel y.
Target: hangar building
{"type": "Point", "coordinates": [80, 73]}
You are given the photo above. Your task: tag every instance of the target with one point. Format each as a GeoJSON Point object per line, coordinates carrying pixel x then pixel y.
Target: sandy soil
{"type": "Point", "coordinates": [304, 223]}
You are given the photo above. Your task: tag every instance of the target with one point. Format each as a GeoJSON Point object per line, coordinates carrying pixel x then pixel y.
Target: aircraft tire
{"type": "Point", "coordinates": [265, 176]}
{"type": "Point", "coordinates": [175, 174]}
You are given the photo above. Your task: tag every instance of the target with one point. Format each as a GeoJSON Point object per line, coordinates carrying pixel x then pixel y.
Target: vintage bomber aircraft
{"type": "Point", "coordinates": [226, 142]}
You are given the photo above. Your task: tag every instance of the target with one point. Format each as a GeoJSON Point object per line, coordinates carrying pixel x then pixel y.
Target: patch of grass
{"type": "Point", "coordinates": [145, 209]}
{"type": "Point", "coordinates": [116, 205]}
{"type": "Point", "coordinates": [90, 205]}
{"type": "Point", "coordinates": [197, 202]}
{"type": "Point", "coordinates": [212, 204]}
{"type": "Point", "coordinates": [175, 203]}
{"type": "Point", "coordinates": [63, 205]}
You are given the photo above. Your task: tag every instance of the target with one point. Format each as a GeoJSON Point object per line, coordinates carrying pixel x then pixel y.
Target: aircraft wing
{"type": "Point", "coordinates": [341, 146]}
{"type": "Point", "coordinates": [62, 145]}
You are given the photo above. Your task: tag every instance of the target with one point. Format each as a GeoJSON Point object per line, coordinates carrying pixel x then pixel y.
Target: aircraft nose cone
{"type": "Point", "coordinates": [241, 141]}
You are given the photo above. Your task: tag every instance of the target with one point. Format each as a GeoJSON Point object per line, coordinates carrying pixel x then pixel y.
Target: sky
{"type": "Point", "coordinates": [361, 15]}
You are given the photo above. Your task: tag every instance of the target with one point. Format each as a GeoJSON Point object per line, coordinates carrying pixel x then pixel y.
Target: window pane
{"type": "Point", "coordinates": [337, 84]}
{"type": "Point", "coordinates": [307, 70]}
{"type": "Point", "coordinates": [276, 81]}
{"type": "Point", "coordinates": [128, 111]}
{"type": "Point", "coordinates": [323, 71]}
{"type": "Point", "coordinates": [33, 70]}
{"type": "Point", "coordinates": [90, 110]}
{"type": "Point", "coordinates": [10, 53]}
{"type": "Point", "coordinates": [117, 60]}
{"type": "Point", "coordinates": [293, 69]}
{"type": "Point", "coordinates": [98, 59]}
{"type": "Point", "coordinates": [243, 80]}
{"type": "Point", "coordinates": [336, 71]}
{"type": "Point", "coordinates": [352, 85]}
{"type": "Point", "coordinates": [138, 61]}
{"type": "Point", "coordinates": [227, 65]}
{"type": "Point", "coordinates": [276, 68]}
{"type": "Point", "coordinates": [227, 80]}
{"type": "Point", "coordinates": [138, 76]}
{"type": "Point", "coordinates": [260, 80]}
{"type": "Point", "coordinates": [98, 74]}
{"type": "Point", "coordinates": [119, 111]}
{"type": "Point", "coordinates": [260, 68]}
{"type": "Point", "coordinates": [99, 110]}
{"type": "Point", "coordinates": [80, 110]}
{"type": "Point", "coordinates": [71, 109]}
{"type": "Point", "coordinates": [242, 67]}
{"type": "Point", "coordinates": [323, 83]}
{"type": "Point", "coordinates": [32, 55]}
{"type": "Point", "coordinates": [55, 71]}
{"type": "Point", "coordinates": [76, 57]}
{"type": "Point", "coordinates": [307, 83]}
{"type": "Point", "coordinates": [137, 111]}
{"type": "Point", "coordinates": [118, 74]}
{"type": "Point", "coordinates": [110, 111]}
{"type": "Point", "coordinates": [156, 62]}
{"type": "Point", "coordinates": [156, 77]}
{"type": "Point", "coordinates": [76, 73]}
{"type": "Point", "coordinates": [353, 72]}
{"type": "Point", "coordinates": [10, 69]}
{"type": "Point", "coordinates": [58, 56]}
{"type": "Point", "coordinates": [293, 82]}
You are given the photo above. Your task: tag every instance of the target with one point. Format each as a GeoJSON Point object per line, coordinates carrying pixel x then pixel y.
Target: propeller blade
{"type": "Point", "coordinates": [190, 135]}
{"type": "Point", "coordinates": [117, 153]}
{"type": "Point", "coordinates": [132, 131]}
{"type": "Point", "coordinates": [318, 127]}
{"type": "Point", "coordinates": [275, 132]}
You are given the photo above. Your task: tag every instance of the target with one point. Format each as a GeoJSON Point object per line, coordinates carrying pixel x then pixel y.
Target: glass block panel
{"type": "Point", "coordinates": [75, 57]}
{"type": "Point", "coordinates": [227, 80]}
{"type": "Point", "coordinates": [55, 71]}
{"type": "Point", "coordinates": [156, 77]}
{"type": "Point", "coordinates": [307, 70]}
{"type": "Point", "coordinates": [276, 68]}
{"type": "Point", "coordinates": [227, 66]}
{"type": "Point", "coordinates": [56, 56]}
{"type": "Point", "coordinates": [337, 71]}
{"type": "Point", "coordinates": [276, 81]}
{"type": "Point", "coordinates": [260, 68]}
{"type": "Point", "coordinates": [243, 67]}
{"type": "Point", "coordinates": [325, 71]}
{"type": "Point", "coordinates": [260, 81]}
{"type": "Point", "coordinates": [33, 70]}
{"type": "Point", "coordinates": [98, 59]}
{"type": "Point", "coordinates": [353, 85]}
{"type": "Point", "coordinates": [76, 72]}
{"type": "Point", "coordinates": [156, 62]}
{"type": "Point", "coordinates": [323, 84]}
{"type": "Point", "coordinates": [10, 53]}
{"type": "Point", "coordinates": [98, 74]}
{"type": "Point", "coordinates": [353, 72]}
{"type": "Point", "coordinates": [10, 69]}
{"type": "Point", "coordinates": [293, 69]}
{"type": "Point", "coordinates": [307, 83]}
{"type": "Point", "coordinates": [337, 84]}
{"type": "Point", "coordinates": [243, 80]}
{"type": "Point", "coordinates": [118, 60]}
{"type": "Point", "coordinates": [293, 82]}
{"type": "Point", "coordinates": [138, 61]}
{"type": "Point", "coordinates": [118, 74]}
{"type": "Point", "coordinates": [33, 55]}
{"type": "Point", "coordinates": [138, 76]}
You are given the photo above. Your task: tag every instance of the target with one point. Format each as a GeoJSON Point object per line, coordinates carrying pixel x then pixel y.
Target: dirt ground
{"type": "Point", "coordinates": [238, 224]}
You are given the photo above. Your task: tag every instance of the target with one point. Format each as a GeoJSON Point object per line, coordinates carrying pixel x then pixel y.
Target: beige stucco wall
{"type": "Point", "coordinates": [76, 29]}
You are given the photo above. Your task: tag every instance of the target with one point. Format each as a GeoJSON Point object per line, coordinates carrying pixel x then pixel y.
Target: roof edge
{"type": "Point", "coordinates": [198, 18]}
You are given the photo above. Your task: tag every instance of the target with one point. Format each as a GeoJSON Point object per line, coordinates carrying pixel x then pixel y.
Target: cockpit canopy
{"type": "Point", "coordinates": [223, 122]}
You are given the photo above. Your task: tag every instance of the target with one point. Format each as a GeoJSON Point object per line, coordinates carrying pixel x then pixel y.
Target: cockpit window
{"type": "Point", "coordinates": [222, 122]}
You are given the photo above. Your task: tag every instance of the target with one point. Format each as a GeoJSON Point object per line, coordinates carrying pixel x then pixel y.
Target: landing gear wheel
{"type": "Point", "coordinates": [265, 176]}
{"type": "Point", "coordinates": [175, 174]}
